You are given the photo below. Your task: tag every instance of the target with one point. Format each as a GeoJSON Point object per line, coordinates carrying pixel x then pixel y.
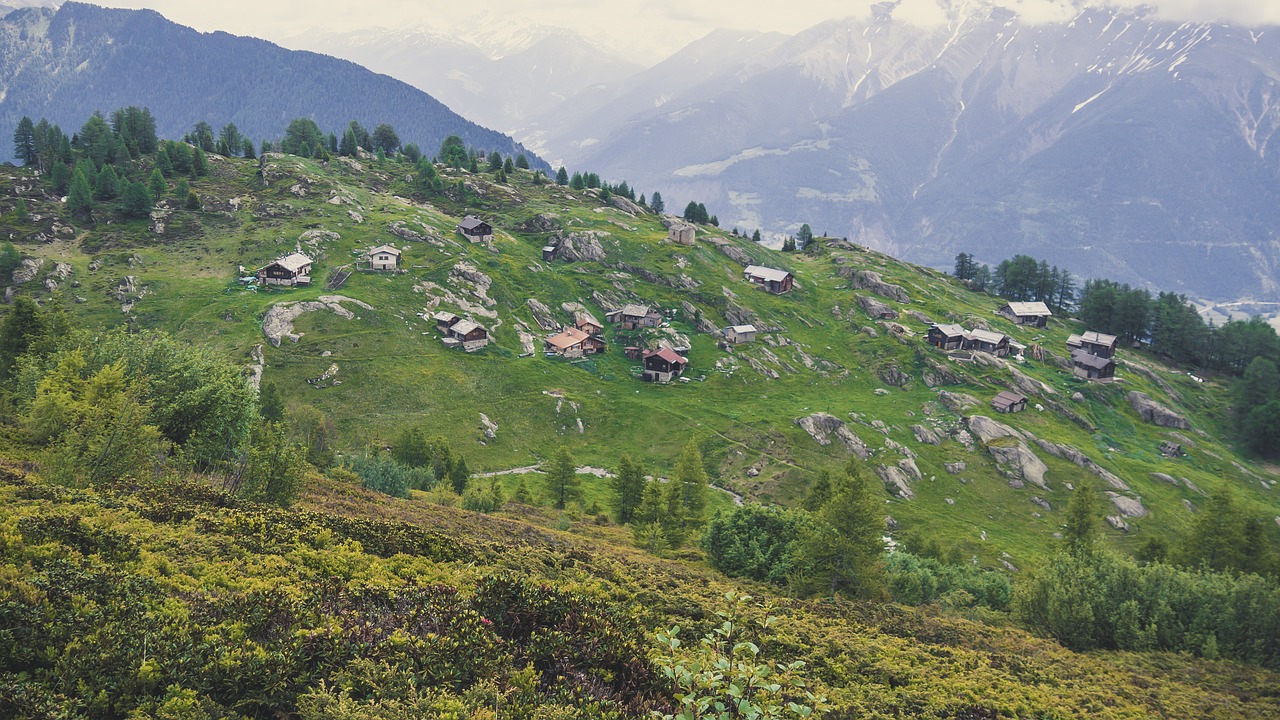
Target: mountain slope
{"type": "Point", "coordinates": [825, 381]}
{"type": "Point", "coordinates": [66, 64]}
{"type": "Point", "coordinates": [498, 80]}
{"type": "Point", "coordinates": [1117, 145]}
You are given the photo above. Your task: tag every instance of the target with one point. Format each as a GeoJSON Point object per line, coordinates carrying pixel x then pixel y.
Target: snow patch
{"type": "Point", "coordinates": [1086, 102]}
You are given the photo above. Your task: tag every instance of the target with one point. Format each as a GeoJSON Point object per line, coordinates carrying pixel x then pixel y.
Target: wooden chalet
{"type": "Point", "coordinates": [384, 257]}
{"type": "Point", "coordinates": [663, 365]}
{"type": "Point", "coordinates": [294, 269]}
{"type": "Point", "coordinates": [632, 316]}
{"type": "Point", "coordinates": [771, 279]}
{"type": "Point", "coordinates": [1075, 342]}
{"type": "Point", "coordinates": [1009, 402]}
{"type": "Point", "coordinates": [589, 325]}
{"type": "Point", "coordinates": [469, 334]}
{"type": "Point", "coordinates": [573, 343]}
{"type": "Point", "coordinates": [475, 229]}
{"type": "Point", "coordinates": [946, 337]}
{"type": "Point", "coordinates": [740, 333]}
{"type": "Point", "coordinates": [1091, 367]}
{"type": "Point", "coordinates": [1100, 344]}
{"type": "Point", "coordinates": [1036, 314]}
{"type": "Point", "coordinates": [444, 321]}
{"type": "Point", "coordinates": [550, 252]}
{"type": "Point", "coordinates": [987, 341]}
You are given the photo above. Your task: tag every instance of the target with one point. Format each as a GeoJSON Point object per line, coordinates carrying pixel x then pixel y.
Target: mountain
{"type": "Point", "coordinates": [1116, 144]}
{"type": "Point", "coordinates": [498, 73]}
{"type": "Point", "coordinates": [65, 64]}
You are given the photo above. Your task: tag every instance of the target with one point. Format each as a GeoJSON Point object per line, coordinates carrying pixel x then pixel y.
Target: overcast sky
{"type": "Point", "coordinates": [659, 26]}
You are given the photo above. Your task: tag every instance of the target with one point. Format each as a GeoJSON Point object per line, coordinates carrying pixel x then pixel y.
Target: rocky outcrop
{"type": "Point", "coordinates": [894, 375]}
{"type": "Point", "coordinates": [489, 427]}
{"type": "Point", "coordinates": [542, 315]}
{"type": "Point", "coordinates": [875, 308]}
{"type": "Point", "coordinates": [896, 480]}
{"type": "Point", "coordinates": [735, 253]}
{"type": "Point", "coordinates": [626, 205]}
{"type": "Point", "coordinates": [957, 402]}
{"type": "Point", "coordinates": [1154, 412]}
{"type": "Point", "coordinates": [925, 435]}
{"type": "Point", "coordinates": [868, 280]}
{"type": "Point", "coordinates": [27, 271]}
{"type": "Point", "coordinates": [938, 374]}
{"type": "Point", "coordinates": [404, 232]}
{"type": "Point", "coordinates": [1118, 523]}
{"type": "Point", "coordinates": [1128, 507]}
{"type": "Point", "coordinates": [738, 315]}
{"type": "Point", "coordinates": [1071, 454]}
{"type": "Point", "coordinates": [700, 322]}
{"type": "Point", "coordinates": [822, 426]}
{"type": "Point", "coordinates": [540, 223]}
{"type": "Point", "coordinates": [987, 429]}
{"type": "Point", "coordinates": [582, 247]}
{"type": "Point", "coordinates": [277, 324]}
{"type": "Point", "coordinates": [1018, 458]}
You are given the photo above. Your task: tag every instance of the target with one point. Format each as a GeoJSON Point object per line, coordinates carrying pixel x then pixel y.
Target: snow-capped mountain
{"type": "Point", "coordinates": [1114, 143]}
{"type": "Point", "coordinates": [498, 73]}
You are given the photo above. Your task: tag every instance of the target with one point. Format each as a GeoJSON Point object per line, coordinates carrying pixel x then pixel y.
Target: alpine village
{"type": "Point", "coordinates": [343, 422]}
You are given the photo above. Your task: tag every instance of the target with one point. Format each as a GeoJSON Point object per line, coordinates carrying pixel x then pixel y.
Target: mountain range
{"type": "Point", "coordinates": [63, 64]}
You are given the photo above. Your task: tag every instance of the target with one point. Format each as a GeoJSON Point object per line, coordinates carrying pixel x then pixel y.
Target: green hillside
{"type": "Point", "coordinates": [179, 271]}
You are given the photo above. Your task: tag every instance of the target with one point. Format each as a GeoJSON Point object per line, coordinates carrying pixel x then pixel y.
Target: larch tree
{"type": "Point", "coordinates": [562, 478]}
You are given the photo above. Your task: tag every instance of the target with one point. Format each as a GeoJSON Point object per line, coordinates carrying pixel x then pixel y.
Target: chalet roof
{"type": "Point", "coordinates": [1007, 398]}
{"type": "Point", "coordinates": [568, 338]}
{"type": "Point", "coordinates": [293, 262]}
{"type": "Point", "coordinates": [634, 310]}
{"type": "Point", "coordinates": [462, 327]}
{"type": "Point", "coordinates": [1084, 359]}
{"type": "Point", "coordinates": [986, 336]}
{"type": "Point", "coordinates": [582, 318]}
{"type": "Point", "coordinates": [1024, 309]}
{"type": "Point", "coordinates": [446, 317]}
{"type": "Point", "coordinates": [1097, 338]}
{"type": "Point", "coordinates": [949, 330]}
{"type": "Point", "coordinates": [743, 328]}
{"type": "Point", "coordinates": [1075, 341]}
{"type": "Point", "coordinates": [670, 356]}
{"type": "Point", "coordinates": [471, 222]}
{"type": "Point", "coordinates": [385, 249]}
{"type": "Point", "coordinates": [766, 273]}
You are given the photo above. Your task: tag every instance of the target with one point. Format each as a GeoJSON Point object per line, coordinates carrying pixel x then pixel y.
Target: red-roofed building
{"type": "Point", "coordinates": [663, 365]}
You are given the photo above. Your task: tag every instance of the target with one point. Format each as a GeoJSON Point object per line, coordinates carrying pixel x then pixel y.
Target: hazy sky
{"type": "Point", "coordinates": [659, 26]}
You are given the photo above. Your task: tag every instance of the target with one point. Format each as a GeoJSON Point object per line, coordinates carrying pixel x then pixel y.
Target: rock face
{"type": "Point", "coordinates": [582, 247]}
{"type": "Point", "coordinates": [987, 429]}
{"type": "Point", "coordinates": [27, 271]}
{"type": "Point", "coordinates": [893, 375]}
{"type": "Point", "coordinates": [821, 426]}
{"type": "Point", "coordinates": [1067, 452]}
{"type": "Point", "coordinates": [625, 205]}
{"type": "Point", "coordinates": [897, 481]}
{"type": "Point", "coordinates": [925, 435]}
{"type": "Point", "coordinates": [1118, 523]}
{"type": "Point", "coordinates": [540, 223]}
{"type": "Point", "coordinates": [875, 308]}
{"type": "Point", "coordinates": [1019, 458]}
{"type": "Point", "coordinates": [868, 280]}
{"type": "Point", "coordinates": [489, 427]}
{"type": "Point", "coordinates": [277, 324]}
{"type": "Point", "coordinates": [542, 315]}
{"type": "Point", "coordinates": [957, 402]}
{"type": "Point", "coordinates": [1128, 507]}
{"type": "Point", "coordinates": [1154, 412]}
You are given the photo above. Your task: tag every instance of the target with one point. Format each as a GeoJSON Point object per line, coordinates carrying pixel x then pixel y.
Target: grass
{"type": "Point", "coordinates": [394, 371]}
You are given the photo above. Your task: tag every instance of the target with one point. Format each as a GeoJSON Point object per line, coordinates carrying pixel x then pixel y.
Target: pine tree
{"type": "Point", "coordinates": [675, 518]}
{"type": "Point", "coordinates": [1217, 534]}
{"type": "Point", "coordinates": [459, 475]}
{"type": "Point", "coordinates": [24, 142]}
{"type": "Point", "coordinates": [22, 327]}
{"type": "Point", "coordinates": [270, 403]}
{"type": "Point", "coordinates": [348, 146]}
{"type": "Point", "coordinates": [107, 186]}
{"type": "Point", "coordinates": [79, 197]}
{"type": "Point", "coordinates": [163, 163]}
{"type": "Point", "coordinates": [20, 210]}
{"type": "Point", "coordinates": [60, 177]}
{"type": "Point", "coordinates": [656, 204]}
{"type": "Point", "coordinates": [507, 166]}
{"type": "Point", "coordinates": [522, 494]}
{"type": "Point", "coordinates": [246, 149]}
{"type": "Point", "coordinates": [562, 478]}
{"type": "Point", "coordinates": [156, 185]}
{"type": "Point", "coordinates": [522, 162]}
{"type": "Point", "coordinates": [182, 188]}
{"type": "Point", "coordinates": [755, 236]}
{"type": "Point", "coordinates": [819, 492]}
{"type": "Point", "coordinates": [842, 553]}
{"type": "Point", "coordinates": [562, 176]}
{"type": "Point", "coordinates": [628, 488]}
{"type": "Point", "coordinates": [691, 477]}
{"type": "Point", "coordinates": [1081, 529]}
{"type": "Point", "coordinates": [576, 182]}
{"type": "Point", "coordinates": [495, 160]}
{"type": "Point", "coordinates": [135, 200]}
{"type": "Point", "coordinates": [199, 164]}
{"type": "Point", "coordinates": [804, 236]}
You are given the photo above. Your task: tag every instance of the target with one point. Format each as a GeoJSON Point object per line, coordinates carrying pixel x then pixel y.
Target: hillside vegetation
{"type": "Point", "coordinates": [867, 386]}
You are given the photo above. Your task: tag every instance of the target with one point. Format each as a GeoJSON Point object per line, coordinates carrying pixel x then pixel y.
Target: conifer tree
{"type": "Point", "coordinates": [200, 165]}
{"type": "Point", "coordinates": [675, 517]}
{"type": "Point", "coordinates": [270, 403]}
{"type": "Point", "coordinates": [107, 186]}
{"type": "Point", "coordinates": [522, 494]}
{"type": "Point", "coordinates": [495, 160]}
{"type": "Point", "coordinates": [691, 477]}
{"type": "Point", "coordinates": [819, 492]}
{"type": "Point", "coordinates": [181, 189]}
{"type": "Point", "coordinates": [562, 478]}
{"type": "Point", "coordinates": [842, 553]}
{"type": "Point", "coordinates": [156, 185]}
{"type": "Point", "coordinates": [507, 166]}
{"type": "Point", "coordinates": [562, 176]}
{"type": "Point", "coordinates": [135, 200]}
{"type": "Point", "coordinates": [163, 163]}
{"type": "Point", "coordinates": [1081, 529]}
{"type": "Point", "coordinates": [459, 475]}
{"type": "Point", "coordinates": [628, 488]}
{"type": "Point", "coordinates": [24, 142]}
{"type": "Point", "coordinates": [79, 197]}
{"type": "Point", "coordinates": [522, 162]}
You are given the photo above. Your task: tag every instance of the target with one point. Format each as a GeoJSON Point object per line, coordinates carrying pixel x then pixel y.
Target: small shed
{"type": "Point", "coordinates": [663, 365]}
{"type": "Point", "coordinates": [681, 233]}
{"type": "Point", "coordinates": [772, 279]}
{"type": "Point", "coordinates": [946, 337]}
{"type": "Point", "coordinates": [1100, 344]}
{"type": "Point", "coordinates": [550, 252]}
{"type": "Point", "coordinates": [444, 321]}
{"type": "Point", "coordinates": [475, 229]}
{"type": "Point", "coordinates": [384, 257]}
{"type": "Point", "coordinates": [740, 333]}
{"type": "Point", "coordinates": [1092, 367]}
{"type": "Point", "coordinates": [632, 316]}
{"type": "Point", "coordinates": [472, 335]}
{"type": "Point", "coordinates": [293, 269]}
{"type": "Point", "coordinates": [1075, 342]}
{"type": "Point", "coordinates": [987, 341]}
{"type": "Point", "coordinates": [1009, 402]}
{"type": "Point", "coordinates": [1027, 313]}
